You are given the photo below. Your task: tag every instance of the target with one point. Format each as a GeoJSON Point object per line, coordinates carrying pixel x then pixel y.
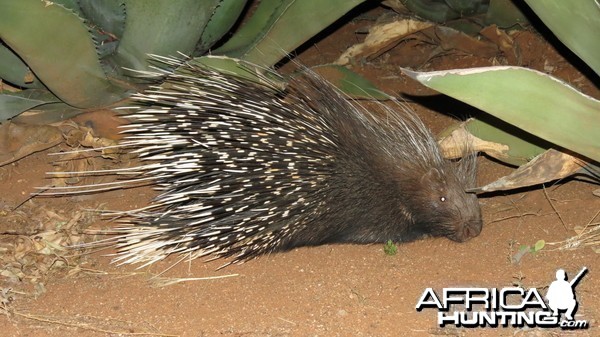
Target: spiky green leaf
{"type": "Point", "coordinates": [533, 101]}
{"type": "Point", "coordinates": [56, 45]}
{"type": "Point", "coordinates": [163, 28]}
{"type": "Point", "coordinates": [576, 24]}
{"type": "Point", "coordinates": [350, 83]}
{"type": "Point", "coordinates": [224, 16]}
{"type": "Point", "coordinates": [12, 104]}
{"type": "Point", "coordinates": [277, 27]}
{"type": "Point", "coordinates": [14, 71]}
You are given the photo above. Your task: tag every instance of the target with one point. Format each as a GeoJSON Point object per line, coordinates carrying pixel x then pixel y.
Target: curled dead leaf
{"type": "Point", "coordinates": [549, 166]}
{"type": "Point", "coordinates": [381, 38]}
{"type": "Point", "coordinates": [460, 142]}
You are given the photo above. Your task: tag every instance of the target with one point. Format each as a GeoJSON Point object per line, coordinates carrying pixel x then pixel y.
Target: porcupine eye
{"type": "Point", "coordinates": [439, 199]}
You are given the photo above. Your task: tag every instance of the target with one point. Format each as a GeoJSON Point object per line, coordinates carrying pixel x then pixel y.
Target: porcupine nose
{"type": "Point", "coordinates": [469, 230]}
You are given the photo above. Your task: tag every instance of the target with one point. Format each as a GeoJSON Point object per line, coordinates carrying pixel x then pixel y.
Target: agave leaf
{"type": "Point", "coordinates": [350, 83]}
{"type": "Point", "coordinates": [505, 14]}
{"type": "Point", "coordinates": [107, 15]}
{"type": "Point", "coordinates": [46, 114]}
{"type": "Point", "coordinates": [533, 101]}
{"type": "Point", "coordinates": [539, 165]}
{"type": "Point", "coordinates": [431, 11]}
{"type": "Point", "coordinates": [15, 103]}
{"type": "Point", "coordinates": [237, 67]}
{"type": "Point", "coordinates": [73, 5]}
{"type": "Point", "coordinates": [576, 24]}
{"type": "Point", "coordinates": [14, 71]}
{"type": "Point", "coordinates": [508, 144]}
{"type": "Point", "coordinates": [468, 7]}
{"type": "Point", "coordinates": [161, 28]}
{"type": "Point", "coordinates": [279, 26]}
{"type": "Point", "coordinates": [58, 49]}
{"type": "Point", "coordinates": [442, 11]}
{"type": "Point", "coordinates": [548, 166]}
{"type": "Point", "coordinates": [106, 22]}
{"type": "Point", "coordinates": [41, 105]}
{"type": "Point", "coordinates": [222, 19]}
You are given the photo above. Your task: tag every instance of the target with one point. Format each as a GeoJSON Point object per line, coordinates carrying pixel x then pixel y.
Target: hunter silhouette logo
{"type": "Point", "coordinates": [561, 294]}
{"type": "Point", "coordinates": [511, 306]}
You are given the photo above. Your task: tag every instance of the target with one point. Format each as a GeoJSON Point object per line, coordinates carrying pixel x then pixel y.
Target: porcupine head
{"type": "Point", "coordinates": [246, 168]}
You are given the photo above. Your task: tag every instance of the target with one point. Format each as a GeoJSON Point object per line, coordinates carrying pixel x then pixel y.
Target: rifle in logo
{"type": "Point", "coordinates": [561, 293]}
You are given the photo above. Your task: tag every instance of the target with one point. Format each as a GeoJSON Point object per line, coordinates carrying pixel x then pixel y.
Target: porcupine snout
{"type": "Point", "coordinates": [471, 224]}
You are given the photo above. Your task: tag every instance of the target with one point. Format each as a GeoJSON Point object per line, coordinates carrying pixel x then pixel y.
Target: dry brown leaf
{"type": "Point", "coordinates": [504, 42]}
{"type": "Point", "coordinates": [548, 166]}
{"type": "Point", "coordinates": [453, 145]}
{"type": "Point", "coordinates": [18, 141]}
{"type": "Point", "coordinates": [381, 38]}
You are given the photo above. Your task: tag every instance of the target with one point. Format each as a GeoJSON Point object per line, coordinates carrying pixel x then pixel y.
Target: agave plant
{"type": "Point", "coordinates": [558, 127]}
{"type": "Point", "coordinates": [68, 56]}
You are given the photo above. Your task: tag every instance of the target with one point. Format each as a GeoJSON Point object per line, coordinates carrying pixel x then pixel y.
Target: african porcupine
{"type": "Point", "coordinates": [246, 168]}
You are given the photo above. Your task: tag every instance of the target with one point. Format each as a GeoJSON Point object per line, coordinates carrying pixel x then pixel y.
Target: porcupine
{"type": "Point", "coordinates": [245, 167]}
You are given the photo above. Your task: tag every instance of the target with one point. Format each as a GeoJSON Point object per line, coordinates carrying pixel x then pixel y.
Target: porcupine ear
{"type": "Point", "coordinates": [432, 174]}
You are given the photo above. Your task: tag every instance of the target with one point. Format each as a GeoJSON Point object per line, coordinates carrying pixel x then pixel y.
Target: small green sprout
{"type": "Point", "coordinates": [389, 248]}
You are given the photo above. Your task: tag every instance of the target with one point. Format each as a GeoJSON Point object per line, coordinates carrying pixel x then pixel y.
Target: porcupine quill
{"type": "Point", "coordinates": [245, 168]}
